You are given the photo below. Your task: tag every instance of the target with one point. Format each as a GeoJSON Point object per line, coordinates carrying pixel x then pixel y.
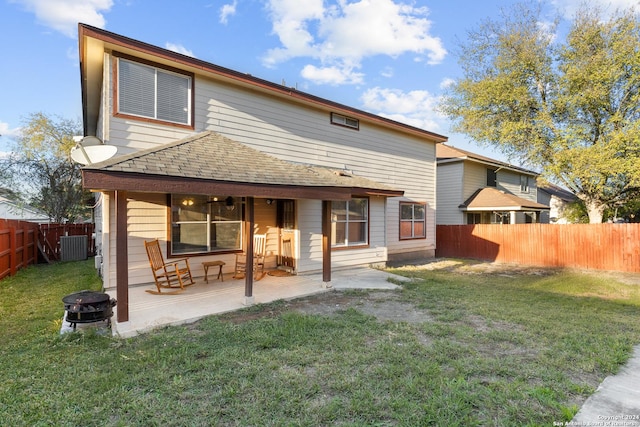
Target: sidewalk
{"type": "Point", "coordinates": [616, 402]}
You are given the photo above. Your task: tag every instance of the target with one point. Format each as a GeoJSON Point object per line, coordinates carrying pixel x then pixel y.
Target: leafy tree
{"type": "Point", "coordinates": [41, 168]}
{"type": "Point", "coordinates": [569, 108]}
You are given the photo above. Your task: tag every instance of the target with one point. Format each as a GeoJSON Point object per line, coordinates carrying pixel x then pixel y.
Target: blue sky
{"type": "Point", "coordinates": [388, 57]}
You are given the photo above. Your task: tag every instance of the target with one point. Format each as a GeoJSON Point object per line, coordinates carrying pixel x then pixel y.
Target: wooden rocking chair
{"type": "Point", "coordinates": [172, 274]}
{"type": "Point", "coordinates": [259, 253]}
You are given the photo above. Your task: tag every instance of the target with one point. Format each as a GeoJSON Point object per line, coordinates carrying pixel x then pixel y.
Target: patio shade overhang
{"type": "Point", "coordinates": [209, 163]}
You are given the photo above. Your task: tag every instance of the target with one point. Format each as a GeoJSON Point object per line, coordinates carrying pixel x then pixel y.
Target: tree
{"type": "Point", "coordinates": [569, 108]}
{"type": "Point", "coordinates": [40, 165]}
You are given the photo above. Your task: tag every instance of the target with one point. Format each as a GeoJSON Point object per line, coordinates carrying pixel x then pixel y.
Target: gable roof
{"type": "Point", "coordinates": [448, 154]}
{"type": "Point", "coordinates": [94, 42]}
{"type": "Point", "coordinates": [558, 192]}
{"type": "Point", "coordinates": [209, 163]}
{"type": "Point", "coordinates": [490, 198]}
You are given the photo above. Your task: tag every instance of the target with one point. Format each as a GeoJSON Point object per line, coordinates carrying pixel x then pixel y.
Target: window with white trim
{"type": "Point", "coordinates": [154, 93]}
{"type": "Point", "coordinates": [339, 119]}
{"type": "Point", "coordinates": [413, 220]}
{"type": "Point", "coordinates": [205, 224]}
{"type": "Point", "coordinates": [350, 222]}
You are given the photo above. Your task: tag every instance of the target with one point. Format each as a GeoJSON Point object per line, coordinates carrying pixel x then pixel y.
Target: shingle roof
{"type": "Point", "coordinates": [211, 156]}
{"type": "Point", "coordinates": [491, 198]}
{"type": "Point", "coordinates": [445, 153]}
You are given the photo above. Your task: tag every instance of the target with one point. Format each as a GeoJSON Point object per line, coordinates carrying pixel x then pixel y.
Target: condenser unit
{"type": "Point", "coordinates": [73, 248]}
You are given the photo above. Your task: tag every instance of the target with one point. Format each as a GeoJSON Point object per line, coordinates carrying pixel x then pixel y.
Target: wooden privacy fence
{"type": "Point", "coordinates": [50, 238]}
{"type": "Point", "coordinates": [18, 246]}
{"type": "Point", "coordinates": [22, 242]}
{"type": "Point", "coordinates": [591, 246]}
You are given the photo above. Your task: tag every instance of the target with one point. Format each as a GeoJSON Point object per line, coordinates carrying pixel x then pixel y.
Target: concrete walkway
{"type": "Point", "coordinates": [616, 402]}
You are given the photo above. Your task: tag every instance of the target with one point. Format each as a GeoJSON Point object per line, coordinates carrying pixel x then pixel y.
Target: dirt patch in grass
{"type": "Point", "coordinates": [384, 305]}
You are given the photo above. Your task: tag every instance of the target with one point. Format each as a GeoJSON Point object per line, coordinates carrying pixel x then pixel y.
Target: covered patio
{"type": "Point", "coordinates": [148, 311]}
{"type": "Point", "coordinates": [199, 169]}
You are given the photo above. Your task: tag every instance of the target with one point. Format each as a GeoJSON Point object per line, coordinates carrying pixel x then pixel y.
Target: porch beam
{"type": "Point", "coordinates": [326, 241]}
{"type": "Point", "coordinates": [122, 258]}
{"type": "Point", "coordinates": [104, 180]}
{"type": "Point", "coordinates": [249, 232]}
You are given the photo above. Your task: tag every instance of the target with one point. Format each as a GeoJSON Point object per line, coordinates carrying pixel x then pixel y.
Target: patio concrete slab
{"type": "Point", "coordinates": [148, 311]}
{"type": "Point", "coordinates": [616, 402]}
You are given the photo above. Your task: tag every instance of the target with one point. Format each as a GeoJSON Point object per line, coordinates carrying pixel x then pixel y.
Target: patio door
{"type": "Point", "coordinates": [286, 222]}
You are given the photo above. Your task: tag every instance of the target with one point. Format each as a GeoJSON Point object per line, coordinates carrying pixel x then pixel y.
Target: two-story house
{"type": "Point", "coordinates": [474, 189]}
{"type": "Point", "coordinates": [207, 156]}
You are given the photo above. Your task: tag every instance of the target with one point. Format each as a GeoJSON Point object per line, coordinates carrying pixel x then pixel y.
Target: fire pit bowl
{"type": "Point", "coordinates": [88, 307]}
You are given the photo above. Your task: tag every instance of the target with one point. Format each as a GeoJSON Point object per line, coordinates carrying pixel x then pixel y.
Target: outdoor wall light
{"type": "Point", "coordinates": [269, 201]}
{"type": "Point", "coordinates": [229, 204]}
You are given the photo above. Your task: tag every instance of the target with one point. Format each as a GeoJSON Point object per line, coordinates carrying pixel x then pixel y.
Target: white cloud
{"type": "Point", "coordinates": [416, 108]}
{"type": "Point", "coordinates": [179, 49]}
{"type": "Point", "coordinates": [446, 83]}
{"type": "Point", "coordinates": [64, 15]}
{"type": "Point", "coordinates": [331, 75]}
{"type": "Point", "coordinates": [5, 131]}
{"type": "Point", "coordinates": [227, 10]}
{"type": "Point", "coordinates": [342, 34]}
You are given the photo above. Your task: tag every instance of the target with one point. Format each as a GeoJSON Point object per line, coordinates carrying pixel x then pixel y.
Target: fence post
{"type": "Point", "coordinates": [13, 257]}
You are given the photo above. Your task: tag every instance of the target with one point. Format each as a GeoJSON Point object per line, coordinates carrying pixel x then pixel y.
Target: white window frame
{"type": "Point", "coordinates": [349, 122]}
{"type": "Point", "coordinates": [413, 220]}
{"type": "Point", "coordinates": [347, 222]}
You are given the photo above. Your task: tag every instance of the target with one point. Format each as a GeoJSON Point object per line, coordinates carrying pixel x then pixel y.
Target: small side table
{"type": "Point", "coordinates": [208, 264]}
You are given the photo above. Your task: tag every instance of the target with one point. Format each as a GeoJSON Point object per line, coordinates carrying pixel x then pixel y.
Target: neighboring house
{"type": "Point", "coordinates": [557, 199]}
{"type": "Point", "coordinates": [10, 209]}
{"type": "Point", "coordinates": [207, 156]}
{"type": "Point", "coordinates": [474, 189]}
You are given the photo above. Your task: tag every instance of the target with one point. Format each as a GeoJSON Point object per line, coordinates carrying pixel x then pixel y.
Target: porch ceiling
{"type": "Point", "coordinates": [209, 163]}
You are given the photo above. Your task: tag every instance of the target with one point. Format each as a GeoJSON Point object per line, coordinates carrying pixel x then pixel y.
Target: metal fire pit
{"type": "Point", "coordinates": [88, 307]}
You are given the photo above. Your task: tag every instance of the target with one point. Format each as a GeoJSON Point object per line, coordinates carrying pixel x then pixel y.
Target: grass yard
{"type": "Point", "coordinates": [491, 350]}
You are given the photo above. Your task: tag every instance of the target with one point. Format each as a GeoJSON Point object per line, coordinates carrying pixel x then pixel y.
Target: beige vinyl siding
{"type": "Point", "coordinates": [450, 177]}
{"type": "Point", "coordinates": [509, 181]}
{"type": "Point", "coordinates": [475, 177]}
{"type": "Point", "coordinates": [301, 134]}
{"type": "Point", "coordinates": [310, 224]}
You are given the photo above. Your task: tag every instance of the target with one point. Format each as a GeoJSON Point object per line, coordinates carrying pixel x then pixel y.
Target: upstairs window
{"type": "Point", "coordinates": [413, 220]}
{"type": "Point", "coordinates": [492, 177]}
{"type": "Point", "coordinates": [153, 93]}
{"type": "Point", "coordinates": [340, 120]}
{"type": "Point", "coordinates": [524, 184]}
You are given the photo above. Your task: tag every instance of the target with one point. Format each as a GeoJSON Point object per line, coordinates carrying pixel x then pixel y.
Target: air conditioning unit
{"type": "Point", "coordinates": [73, 248]}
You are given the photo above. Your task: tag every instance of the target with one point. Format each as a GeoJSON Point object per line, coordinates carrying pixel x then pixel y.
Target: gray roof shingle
{"type": "Point", "coordinates": [211, 156]}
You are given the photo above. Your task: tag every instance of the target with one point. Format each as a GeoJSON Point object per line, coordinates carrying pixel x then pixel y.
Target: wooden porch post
{"type": "Point", "coordinates": [326, 242]}
{"type": "Point", "coordinates": [249, 227]}
{"type": "Point", "coordinates": [122, 258]}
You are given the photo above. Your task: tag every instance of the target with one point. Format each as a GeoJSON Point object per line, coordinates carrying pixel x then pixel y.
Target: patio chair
{"type": "Point", "coordinates": [259, 253]}
{"type": "Point", "coordinates": [172, 274]}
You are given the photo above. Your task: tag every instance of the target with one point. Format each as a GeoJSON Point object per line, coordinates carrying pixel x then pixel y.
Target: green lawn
{"type": "Point", "coordinates": [492, 350]}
